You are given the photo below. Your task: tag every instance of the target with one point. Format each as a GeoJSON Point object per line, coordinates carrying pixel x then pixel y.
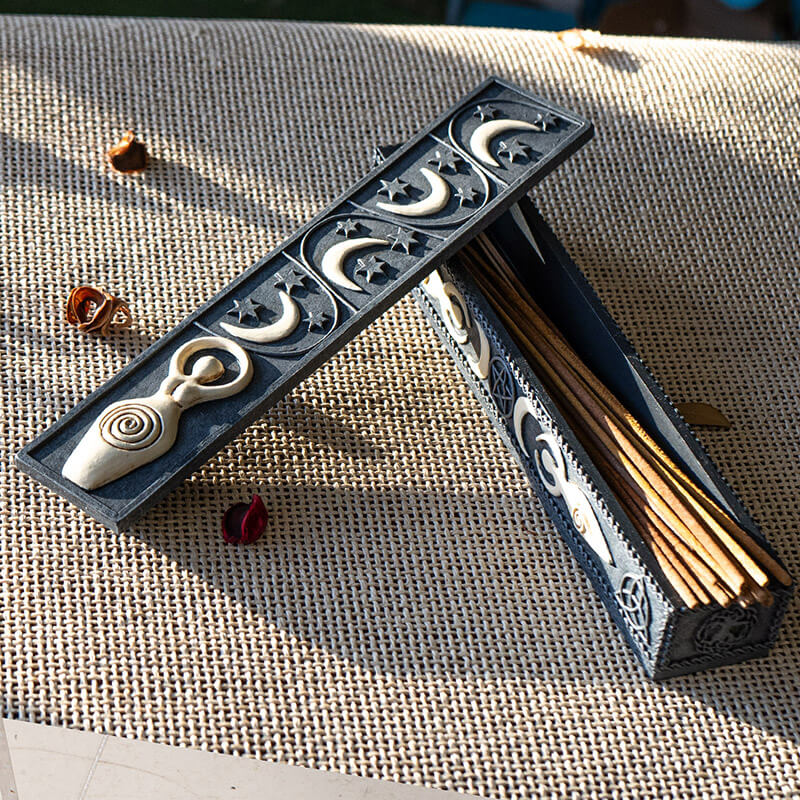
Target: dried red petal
{"type": "Point", "coordinates": [244, 524]}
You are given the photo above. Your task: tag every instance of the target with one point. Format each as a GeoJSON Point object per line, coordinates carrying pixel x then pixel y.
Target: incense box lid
{"type": "Point", "coordinates": [133, 440]}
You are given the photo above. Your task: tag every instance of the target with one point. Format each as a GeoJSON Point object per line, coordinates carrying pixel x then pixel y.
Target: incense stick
{"type": "Point", "coordinates": [703, 553]}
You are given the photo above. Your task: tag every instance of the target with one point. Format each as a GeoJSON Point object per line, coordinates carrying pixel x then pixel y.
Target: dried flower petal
{"type": "Point", "coordinates": [244, 524]}
{"type": "Point", "coordinates": [703, 414]}
{"type": "Point", "coordinates": [128, 155]}
{"type": "Point", "coordinates": [581, 38]}
{"type": "Point", "coordinates": [96, 311]}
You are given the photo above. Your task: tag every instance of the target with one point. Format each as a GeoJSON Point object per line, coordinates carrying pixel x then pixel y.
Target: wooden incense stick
{"type": "Point", "coordinates": [704, 554]}
{"type": "Point", "coordinates": [732, 535]}
{"type": "Point", "coordinates": [645, 491]}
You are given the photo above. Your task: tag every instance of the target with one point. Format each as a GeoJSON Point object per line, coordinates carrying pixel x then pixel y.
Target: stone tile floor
{"type": "Point", "coordinates": [39, 761]}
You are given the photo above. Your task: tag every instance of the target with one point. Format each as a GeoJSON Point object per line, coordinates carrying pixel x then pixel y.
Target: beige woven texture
{"type": "Point", "coordinates": [410, 613]}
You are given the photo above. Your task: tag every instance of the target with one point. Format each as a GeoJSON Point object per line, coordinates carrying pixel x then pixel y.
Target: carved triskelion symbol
{"type": "Point", "coordinates": [632, 598]}
{"type": "Point", "coordinates": [130, 433]}
{"type": "Point", "coordinates": [553, 472]}
{"type": "Point", "coordinates": [725, 628]}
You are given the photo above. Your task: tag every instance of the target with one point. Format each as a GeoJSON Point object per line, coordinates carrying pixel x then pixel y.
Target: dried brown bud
{"type": "Point", "coordinates": [93, 311]}
{"type": "Point", "coordinates": [127, 155]}
{"type": "Point", "coordinates": [581, 38]}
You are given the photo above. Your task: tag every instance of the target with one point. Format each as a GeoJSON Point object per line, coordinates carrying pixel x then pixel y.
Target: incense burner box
{"type": "Point", "coordinates": [123, 448]}
{"type": "Point", "coordinates": [668, 638]}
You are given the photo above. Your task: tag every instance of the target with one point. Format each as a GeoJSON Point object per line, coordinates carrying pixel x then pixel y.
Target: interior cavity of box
{"type": "Point", "coordinates": [570, 303]}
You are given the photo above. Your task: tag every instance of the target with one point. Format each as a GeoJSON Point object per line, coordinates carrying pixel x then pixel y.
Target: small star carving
{"type": "Point", "coordinates": [514, 149]}
{"type": "Point", "coordinates": [485, 112]}
{"type": "Point", "coordinates": [465, 194]}
{"type": "Point", "coordinates": [547, 119]}
{"type": "Point", "coordinates": [370, 267]}
{"type": "Point", "coordinates": [346, 227]}
{"type": "Point", "coordinates": [245, 308]}
{"type": "Point", "coordinates": [316, 320]}
{"type": "Point", "coordinates": [403, 240]}
{"type": "Point", "coordinates": [394, 188]}
{"type": "Point", "coordinates": [292, 280]}
{"type": "Point", "coordinates": [444, 160]}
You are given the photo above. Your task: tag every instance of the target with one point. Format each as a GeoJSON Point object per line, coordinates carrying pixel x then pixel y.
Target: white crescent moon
{"type": "Point", "coordinates": [480, 366]}
{"type": "Point", "coordinates": [433, 203]}
{"type": "Point", "coordinates": [333, 260]}
{"type": "Point", "coordinates": [269, 333]}
{"type": "Point", "coordinates": [482, 137]}
{"type": "Point", "coordinates": [522, 407]}
{"type": "Point", "coordinates": [553, 472]}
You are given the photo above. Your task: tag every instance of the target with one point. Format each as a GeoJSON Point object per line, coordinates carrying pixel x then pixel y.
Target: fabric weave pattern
{"type": "Point", "coordinates": [410, 613]}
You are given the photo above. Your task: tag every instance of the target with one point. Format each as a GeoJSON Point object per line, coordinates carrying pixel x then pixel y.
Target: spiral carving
{"type": "Point", "coordinates": [579, 520]}
{"type": "Point", "coordinates": [131, 426]}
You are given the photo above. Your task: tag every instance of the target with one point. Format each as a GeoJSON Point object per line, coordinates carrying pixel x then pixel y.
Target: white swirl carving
{"type": "Point", "coordinates": [553, 472]}
{"type": "Point", "coordinates": [456, 320]}
{"type": "Point", "coordinates": [131, 426]}
{"type": "Point", "coordinates": [130, 433]}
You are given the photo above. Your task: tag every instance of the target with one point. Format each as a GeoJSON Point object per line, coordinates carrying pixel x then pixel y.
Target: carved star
{"type": "Point", "coordinates": [245, 308]}
{"type": "Point", "coordinates": [445, 159]}
{"type": "Point", "coordinates": [291, 280]}
{"type": "Point", "coordinates": [465, 194]}
{"type": "Point", "coordinates": [547, 119]}
{"type": "Point", "coordinates": [370, 267]}
{"type": "Point", "coordinates": [393, 188]}
{"type": "Point", "coordinates": [317, 320]}
{"type": "Point", "coordinates": [403, 240]}
{"type": "Point", "coordinates": [346, 227]}
{"type": "Point", "coordinates": [514, 149]}
{"type": "Point", "coordinates": [485, 112]}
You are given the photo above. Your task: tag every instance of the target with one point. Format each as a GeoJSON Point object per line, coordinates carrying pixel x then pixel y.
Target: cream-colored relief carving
{"type": "Point", "coordinates": [130, 433]}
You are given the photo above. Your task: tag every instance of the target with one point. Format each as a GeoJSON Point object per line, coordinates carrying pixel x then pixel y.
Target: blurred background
{"type": "Point", "coordinates": [725, 19]}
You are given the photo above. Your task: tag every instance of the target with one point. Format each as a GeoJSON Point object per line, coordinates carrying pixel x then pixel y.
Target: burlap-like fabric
{"type": "Point", "coordinates": [410, 613]}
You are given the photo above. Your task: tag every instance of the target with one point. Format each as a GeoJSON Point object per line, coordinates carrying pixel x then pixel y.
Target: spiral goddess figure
{"type": "Point", "coordinates": [131, 433]}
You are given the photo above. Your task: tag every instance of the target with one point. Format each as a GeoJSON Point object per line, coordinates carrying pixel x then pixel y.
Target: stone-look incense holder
{"type": "Point", "coordinates": [128, 444]}
{"type": "Point", "coordinates": [668, 638]}
{"type": "Point", "coordinates": [123, 448]}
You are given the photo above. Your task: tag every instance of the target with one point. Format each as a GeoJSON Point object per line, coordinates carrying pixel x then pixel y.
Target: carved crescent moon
{"type": "Point", "coordinates": [480, 366]}
{"type": "Point", "coordinates": [482, 137]}
{"type": "Point", "coordinates": [522, 407]}
{"type": "Point", "coordinates": [433, 203]}
{"type": "Point", "coordinates": [333, 260]}
{"type": "Point", "coordinates": [279, 329]}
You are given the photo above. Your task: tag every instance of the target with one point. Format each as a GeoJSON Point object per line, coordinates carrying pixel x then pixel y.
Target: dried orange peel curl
{"type": "Point", "coordinates": [96, 311]}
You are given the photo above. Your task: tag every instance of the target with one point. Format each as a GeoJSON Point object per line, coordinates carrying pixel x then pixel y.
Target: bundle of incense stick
{"type": "Point", "coordinates": [701, 550]}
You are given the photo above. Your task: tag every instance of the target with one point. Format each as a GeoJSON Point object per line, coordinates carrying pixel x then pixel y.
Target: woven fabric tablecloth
{"type": "Point", "coordinates": [410, 613]}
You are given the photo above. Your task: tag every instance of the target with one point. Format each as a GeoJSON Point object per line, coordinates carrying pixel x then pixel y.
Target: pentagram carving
{"type": "Point", "coordinates": [725, 629]}
{"type": "Point", "coordinates": [502, 386]}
